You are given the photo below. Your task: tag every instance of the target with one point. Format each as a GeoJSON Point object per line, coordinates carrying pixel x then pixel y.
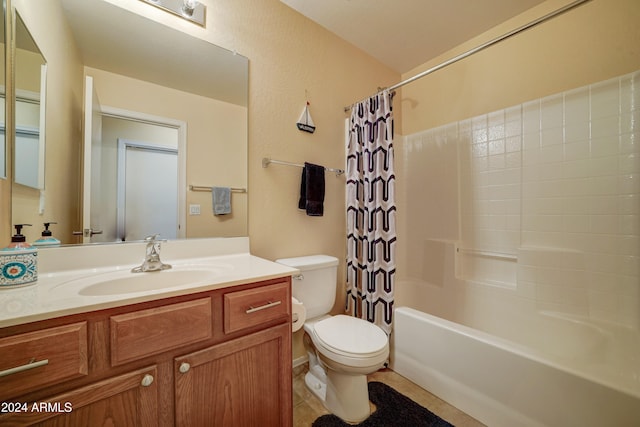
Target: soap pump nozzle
{"type": "Point", "coordinates": [19, 237]}
{"type": "Point", "coordinates": [46, 232]}
{"type": "Point", "coordinates": [18, 240]}
{"type": "Point", "coordinates": [47, 238]}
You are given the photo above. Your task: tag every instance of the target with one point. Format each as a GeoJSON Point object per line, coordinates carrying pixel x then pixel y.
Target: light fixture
{"type": "Point", "coordinates": [189, 6]}
{"type": "Point", "coordinates": [191, 10]}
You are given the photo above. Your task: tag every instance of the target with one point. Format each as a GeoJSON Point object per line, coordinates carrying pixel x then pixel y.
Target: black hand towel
{"type": "Point", "coordinates": [312, 190]}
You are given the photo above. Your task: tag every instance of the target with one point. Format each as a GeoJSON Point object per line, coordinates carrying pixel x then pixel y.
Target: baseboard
{"type": "Point", "coordinates": [300, 361]}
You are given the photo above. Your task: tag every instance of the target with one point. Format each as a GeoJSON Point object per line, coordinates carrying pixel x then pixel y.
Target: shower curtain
{"type": "Point", "coordinates": [371, 224]}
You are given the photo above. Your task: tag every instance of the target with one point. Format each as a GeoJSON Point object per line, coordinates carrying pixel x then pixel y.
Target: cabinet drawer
{"type": "Point", "coordinates": [252, 307]}
{"type": "Point", "coordinates": [147, 332]}
{"type": "Point", "coordinates": [36, 359]}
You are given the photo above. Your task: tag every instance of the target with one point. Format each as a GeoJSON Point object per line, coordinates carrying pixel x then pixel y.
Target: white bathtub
{"type": "Point", "coordinates": [502, 383]}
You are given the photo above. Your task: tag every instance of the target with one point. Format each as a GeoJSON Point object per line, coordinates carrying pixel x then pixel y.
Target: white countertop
{"type": "Point", "coordinates": [56, 293]}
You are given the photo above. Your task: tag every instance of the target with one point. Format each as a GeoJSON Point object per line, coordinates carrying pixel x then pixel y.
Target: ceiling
{"type": "Point", "coordinates": [114, 39]}
{"type": "Point", "coordinates": [406, 33]}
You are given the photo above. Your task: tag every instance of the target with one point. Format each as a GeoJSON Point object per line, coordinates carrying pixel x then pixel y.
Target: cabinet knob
{"type": "Point", "coordinates": [184, 367]}
{"type": "Point", "coordinates": [147, 380]}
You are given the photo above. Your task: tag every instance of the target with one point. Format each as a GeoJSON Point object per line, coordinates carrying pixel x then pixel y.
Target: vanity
{"type": "Point", "coordinates": [210, 344]}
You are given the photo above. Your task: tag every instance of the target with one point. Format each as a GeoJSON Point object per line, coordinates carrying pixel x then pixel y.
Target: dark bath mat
{"type": "Point", "coordinates": [393, 409]}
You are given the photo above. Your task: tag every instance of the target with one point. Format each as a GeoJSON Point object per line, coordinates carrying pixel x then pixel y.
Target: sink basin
{"type": "Point", "coordinates": [126, 282]}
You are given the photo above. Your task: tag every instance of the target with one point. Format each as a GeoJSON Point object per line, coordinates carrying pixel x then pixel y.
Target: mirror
{"type": "Point", "coordinates": [3, 146]}
{"type": "Point", "coordinates": [30, 83]}
{"type": "Point", "coordinates": [144, 74]}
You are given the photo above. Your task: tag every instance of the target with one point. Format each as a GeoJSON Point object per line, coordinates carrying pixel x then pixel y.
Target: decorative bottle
{"type": "Point", "coordinates": [18, 261]}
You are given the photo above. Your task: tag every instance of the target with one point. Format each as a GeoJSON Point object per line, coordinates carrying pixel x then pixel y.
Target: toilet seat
{"type": "Point", "coordinates": [350, 340]}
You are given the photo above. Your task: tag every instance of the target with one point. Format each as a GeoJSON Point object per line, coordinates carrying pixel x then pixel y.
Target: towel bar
{"type": "Point", "coordinates": [488, 254]}
{"type": "Point", "coordinates": [205, 188]}
{"type": "Point", "coordinates": [266, 161]}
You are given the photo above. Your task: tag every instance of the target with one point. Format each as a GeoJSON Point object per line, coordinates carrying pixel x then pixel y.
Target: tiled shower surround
{"type": "Point", "coordinates": [547, 196]}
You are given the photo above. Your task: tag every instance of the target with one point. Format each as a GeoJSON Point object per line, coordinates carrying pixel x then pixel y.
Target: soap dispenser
{"type": "Point", "coordinates": [47, 238]}
{"type": "Point", "coordinates": [18, 261]}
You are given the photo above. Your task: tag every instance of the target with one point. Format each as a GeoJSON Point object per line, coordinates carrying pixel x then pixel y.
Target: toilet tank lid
{"type": "Point", "coordinates": [310, 262]}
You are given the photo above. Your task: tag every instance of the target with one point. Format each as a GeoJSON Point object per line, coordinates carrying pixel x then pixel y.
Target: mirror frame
{"type": "Point", "coordinates": [5, 183]}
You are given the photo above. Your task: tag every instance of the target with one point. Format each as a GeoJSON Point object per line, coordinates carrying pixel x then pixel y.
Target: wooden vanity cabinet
{"type": "Point", "coordinates": [235, 383]}
{"type": "Point", "coordinates": [124, 400]}
{"type": "Point", "coordinates": [167, 363]}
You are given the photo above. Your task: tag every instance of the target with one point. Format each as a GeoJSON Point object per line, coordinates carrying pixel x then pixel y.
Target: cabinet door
{"type": "Point", "coordinates": [126, 400]}
{"type": "Point", "coordinates": [243, 382]}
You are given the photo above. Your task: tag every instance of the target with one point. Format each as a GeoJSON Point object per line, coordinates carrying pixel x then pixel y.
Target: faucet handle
{"type": "Point", "coordinates": [152, 238]}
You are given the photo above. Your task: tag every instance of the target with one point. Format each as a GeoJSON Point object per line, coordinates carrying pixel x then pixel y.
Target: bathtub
{"type": "Point", "coordinates": [582, 382]}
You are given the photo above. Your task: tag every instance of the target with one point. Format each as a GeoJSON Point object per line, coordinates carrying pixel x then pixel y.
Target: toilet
{"type": "Point", "coordinates": [343, 350]}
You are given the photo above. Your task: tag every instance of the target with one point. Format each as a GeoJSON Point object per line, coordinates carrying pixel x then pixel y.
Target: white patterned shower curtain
{"type": "Point", "coordinates": [371, 211]}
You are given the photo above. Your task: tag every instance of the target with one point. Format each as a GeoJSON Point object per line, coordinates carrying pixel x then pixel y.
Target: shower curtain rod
{"type": "Point", "coordinates": [482, 46]}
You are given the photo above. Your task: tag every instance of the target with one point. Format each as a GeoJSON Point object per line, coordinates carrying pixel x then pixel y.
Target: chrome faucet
{"type": "Point", "coordinates": [152, 257]}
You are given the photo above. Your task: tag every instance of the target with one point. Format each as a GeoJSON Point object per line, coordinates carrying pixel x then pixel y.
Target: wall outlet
{"type": "Point", "coordinates": [194, 209]}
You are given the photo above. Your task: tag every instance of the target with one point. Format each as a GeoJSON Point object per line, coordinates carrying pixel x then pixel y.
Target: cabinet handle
{"type": "Point", "coordinates": [147, 380]}
{"type": "Point", "coordinates": [31, 365]}
{"type": "Point", "coordinates": [263, 307]}
{"type": "Point", "coordinates": [184, 367]}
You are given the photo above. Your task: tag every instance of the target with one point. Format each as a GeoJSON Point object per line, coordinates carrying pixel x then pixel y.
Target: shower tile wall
{"type": "Point", "coordinates": [556, 182]}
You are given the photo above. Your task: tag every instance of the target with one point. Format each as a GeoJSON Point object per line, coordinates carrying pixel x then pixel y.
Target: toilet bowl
{"type": "Point", "coordinates": [342, 350]}
{"type": "Point", "coordinates": [346, 350]}
{"type": "Point", "coordinates": [349, 344]}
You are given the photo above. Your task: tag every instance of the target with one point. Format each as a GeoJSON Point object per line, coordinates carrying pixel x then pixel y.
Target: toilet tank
{"type": "Point", "coordinates": [315, 287]}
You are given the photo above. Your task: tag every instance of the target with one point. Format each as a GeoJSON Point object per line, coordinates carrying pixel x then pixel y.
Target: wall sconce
{"type": "Point", "coordinates": [191, 10]}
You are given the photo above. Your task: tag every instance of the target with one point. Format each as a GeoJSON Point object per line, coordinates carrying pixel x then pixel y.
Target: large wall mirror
{"type": "Point", "coordinates": [29, 109]}
{"type": "Point", "coordinates": [3, 117]}
{"type": "Point", "coordinates": [138, 122]}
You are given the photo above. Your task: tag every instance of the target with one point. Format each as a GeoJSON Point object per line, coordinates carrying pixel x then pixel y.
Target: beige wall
{"type": "Point", "coordinates": [290, 57]}
{"type": "Point", "coordinates": [28, 70]}
{"type": "Point", "coordinates": [596, 41]}
{"type": "Point", "coordinates": [216, 149]}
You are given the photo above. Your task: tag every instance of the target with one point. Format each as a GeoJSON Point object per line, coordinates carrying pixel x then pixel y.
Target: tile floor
{"type": "Point", "coordinates": [306, 407]}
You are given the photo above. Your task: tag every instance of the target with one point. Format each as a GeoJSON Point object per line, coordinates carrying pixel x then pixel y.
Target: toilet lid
{"type": "Point", "coordinates": [351, 335]}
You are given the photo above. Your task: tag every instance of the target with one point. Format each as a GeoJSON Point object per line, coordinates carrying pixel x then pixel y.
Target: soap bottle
{"type": "Point", "coordinates": [18, 261]}
{"type": "Point", "coordinates": [47, 238]}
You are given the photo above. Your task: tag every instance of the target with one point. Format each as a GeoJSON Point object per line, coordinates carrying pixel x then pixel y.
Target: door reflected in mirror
{"type": "Point", "coordinates": [134, 166]}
